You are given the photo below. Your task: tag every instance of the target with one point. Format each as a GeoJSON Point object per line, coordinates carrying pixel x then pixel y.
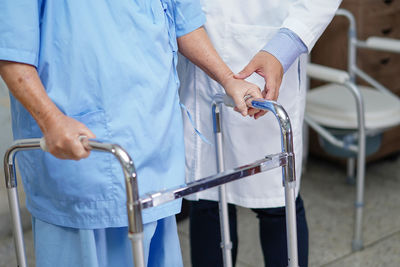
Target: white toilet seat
{"type": "Point", "coordinates": [333, 105]}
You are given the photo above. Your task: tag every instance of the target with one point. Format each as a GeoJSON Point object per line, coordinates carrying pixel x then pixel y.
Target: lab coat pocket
{"type": "Point", "coordinates": [86, 180]}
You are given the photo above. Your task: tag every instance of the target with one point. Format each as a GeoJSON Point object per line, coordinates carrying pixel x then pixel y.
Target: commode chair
{"type": "Point", "coordinates": [350, 119]}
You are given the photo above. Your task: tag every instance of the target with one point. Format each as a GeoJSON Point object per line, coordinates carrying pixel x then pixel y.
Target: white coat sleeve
{"type": "Point", "coordinates": [309, 18]}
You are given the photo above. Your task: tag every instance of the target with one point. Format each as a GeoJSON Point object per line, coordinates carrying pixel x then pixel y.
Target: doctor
{"type": "Point", "coordinates": [266, 37]}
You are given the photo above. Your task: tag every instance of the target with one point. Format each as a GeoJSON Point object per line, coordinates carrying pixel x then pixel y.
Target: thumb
{"type": "Point", "coordinates": [270, 88]}
{"type": "Point", "coordinates": [247, 71]}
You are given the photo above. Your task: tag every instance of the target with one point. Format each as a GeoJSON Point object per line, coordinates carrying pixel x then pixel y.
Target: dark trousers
{"type": "Point", "coordinates": [205, 237]}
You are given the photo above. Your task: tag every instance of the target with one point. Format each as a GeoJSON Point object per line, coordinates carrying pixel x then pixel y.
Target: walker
{"type": "Point", "coordinates": [135, 204]}
{"type": "Point", "coordinates": [288, 176]}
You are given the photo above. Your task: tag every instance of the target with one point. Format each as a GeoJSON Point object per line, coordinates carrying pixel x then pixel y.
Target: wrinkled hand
{"type": "Point", "coordinates": [62, 138]}
{"type": "Point", "coordinates": [238, 89]}
{"type": "Point", "coordinates": [269, 67]}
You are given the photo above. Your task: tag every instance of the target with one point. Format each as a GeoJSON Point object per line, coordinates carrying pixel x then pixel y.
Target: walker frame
{"type": "Point", "coordinates": [288, 176]}
{"type": "Point", "coordinates": [135, 204]}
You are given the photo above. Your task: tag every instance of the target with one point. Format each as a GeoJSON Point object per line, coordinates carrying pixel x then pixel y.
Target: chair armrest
{"type": "Point", "coordinates": [327, 74]}
{"type": "Point", "coordinates": [383, 44]}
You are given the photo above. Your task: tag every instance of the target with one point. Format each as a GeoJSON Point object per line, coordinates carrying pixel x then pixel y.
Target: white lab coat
{"type": "Point", "coordinates": [238, 30]}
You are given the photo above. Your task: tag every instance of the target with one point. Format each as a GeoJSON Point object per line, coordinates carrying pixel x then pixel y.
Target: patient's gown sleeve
{"type": "Point", "coordinates": [188, 16]}
{"type": "Point", "coordinates": [19, 31]}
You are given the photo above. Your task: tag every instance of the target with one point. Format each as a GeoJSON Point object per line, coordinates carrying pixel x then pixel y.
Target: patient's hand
{"type": "Point", "coordinates": [269, 67]}
{"type": "Point", "coordinates": [62, 137]}
{"type": "Point", "coordinates": [238, 89]}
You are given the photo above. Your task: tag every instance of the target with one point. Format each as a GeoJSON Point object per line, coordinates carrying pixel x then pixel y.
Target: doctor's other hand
{"type": "Point", "coordinates": [269, 67]}
{"type": "Point", "coordinates": [238, 89]}
{"type": "Point", "coordinates": [62, 137]}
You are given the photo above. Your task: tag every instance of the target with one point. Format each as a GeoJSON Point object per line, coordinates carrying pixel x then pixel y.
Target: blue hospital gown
{"type": "Point", "coordinates": [111, 65]}
{"type": "Point", "coordinates": [109, 247]}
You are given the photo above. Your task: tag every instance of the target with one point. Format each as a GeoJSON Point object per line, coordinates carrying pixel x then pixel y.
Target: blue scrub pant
{"type": "Point", "coordinates": [110, 247]}
{"type": "Point", "coordinates": [205, 237]}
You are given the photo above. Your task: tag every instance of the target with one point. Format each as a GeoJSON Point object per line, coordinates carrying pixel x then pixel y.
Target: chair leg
{"type": "Point", "coordinates": [351, 179]}
{"type": "Point", "coordinates": [357, 243]}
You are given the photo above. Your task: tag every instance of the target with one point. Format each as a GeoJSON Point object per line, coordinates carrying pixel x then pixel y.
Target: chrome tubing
{"type": "Point", "coordinates": [288, 170]}
{"type": "Point", "coordinates": [133, 204]}
{"type": "Point", "coordinates": [351, 166]}
{"type": "Point", "coordinates": [352, 43]}
{"type": "Point", "coordinates": [13, 201]}
{"type": "Point", "coordinates": [357, 243]}
{"type": "Point", "coordinates": [374, 83]}
{"type": "Point", "coordinates": [328, 136]}
{"type": "Point", "coordinates": [288, 175]}
{"type": "Point", "coordinates": [268, 163]}
{"type": "Point", "coordinates": [226, 243]}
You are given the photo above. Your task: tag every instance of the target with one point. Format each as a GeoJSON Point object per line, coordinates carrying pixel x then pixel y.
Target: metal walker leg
{"type": "Point", "coordinates": [288, 176]}
{"type": "Point", "coordinates": [226, 243]}
{"type": "Point", "coordinates": [135, 231]}
{"type": "Point", "coordinates": [136, 204]}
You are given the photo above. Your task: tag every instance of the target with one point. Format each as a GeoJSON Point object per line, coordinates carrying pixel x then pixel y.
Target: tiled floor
{"type": "Point", "coordinates": [329, 208]}
{"type": "Point", "coordinates": [328, 201]}
{"type": "Point", "coordinates": [7, 252]}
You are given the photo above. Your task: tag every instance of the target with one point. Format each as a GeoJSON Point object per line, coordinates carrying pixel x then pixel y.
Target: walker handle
{"type": "Point", "coordinates": [82, 138]}
{"type": "Point", "coordinates": [258, 103]}
{"type": "Point", "coordinates": [228, 101]}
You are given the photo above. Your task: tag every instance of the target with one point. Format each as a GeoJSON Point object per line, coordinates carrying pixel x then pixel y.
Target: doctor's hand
{"type": "Point", "coordinates": [239, 89]}
{"type": "Point", "coordinates": [62, 137]}
{"type": "Point", "coordinates": [269, 67]}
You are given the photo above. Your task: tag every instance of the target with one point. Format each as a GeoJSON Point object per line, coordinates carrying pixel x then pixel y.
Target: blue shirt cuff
{"type": "Point", "coordinates": [286, 46]}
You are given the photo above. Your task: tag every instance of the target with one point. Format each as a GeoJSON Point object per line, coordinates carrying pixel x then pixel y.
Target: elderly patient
{"type": "Point", "coordinates": [102, 69]}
